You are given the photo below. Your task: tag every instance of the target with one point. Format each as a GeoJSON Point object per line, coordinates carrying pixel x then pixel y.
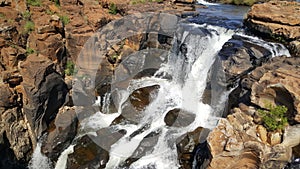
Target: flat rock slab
{"type": "Point", "coordinates": [279, 18]}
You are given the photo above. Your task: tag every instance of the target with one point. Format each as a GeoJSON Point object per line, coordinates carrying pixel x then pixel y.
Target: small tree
{"type": "Point", "coordinates": [70, 68]}
{"type": "Point", "coordinates": [274, 118]}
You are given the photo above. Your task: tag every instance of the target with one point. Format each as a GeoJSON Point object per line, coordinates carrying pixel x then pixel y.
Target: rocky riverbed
{"type": "Point", "coordinates": [40, 41]}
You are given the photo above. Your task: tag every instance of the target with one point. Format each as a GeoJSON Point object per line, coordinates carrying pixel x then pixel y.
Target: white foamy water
{"type": "Point", "coordinates": [188, 69]}
{"type": "Point", "coordinates": [62, 160]}
{"type": "Point", "coordinates": [189, 73]}
{"type": "Point", "coordinates": [184, 92]}
{"type": "Point", "coordinates": [203, 2]}
{"type": "Point", "coordinates": [276, 49]}
{"type": "Point", "coordinates": [39, 160]}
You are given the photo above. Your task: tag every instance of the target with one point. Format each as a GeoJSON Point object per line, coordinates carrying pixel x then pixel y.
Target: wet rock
{"type": "Point", "coordinates": [106, 137]}
{"type": "Point", "coordinates": [61, 134]}
{"type": "Point", "coordinates": [179, 118]}
{"type": "Point", "coordinates": [44, 92]}
{"type": "Point", "coordinates": [275, 19]}
{"type": "Point", "coordinates": [202, 156]}
{"type": "Point", "coordinates": [142, 97]}
{"type": "Point", "coordinates": [184, 1]}
{"type": "Point", "coordinates": [87, 154]}
{"type": "Point", "coordinates": [186, 144]}
{"type": "Point", "coordinates": [138, 100]}
{"type": "Point", "coordinates": [295, 164]}
{"type": "Point", "coordinates": [239, 56]}
{"type": "Point", "coordinates": [146, 146]}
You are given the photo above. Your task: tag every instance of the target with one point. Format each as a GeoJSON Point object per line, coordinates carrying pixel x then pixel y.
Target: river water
{"type": "Point", "coordinates": [181, 80]}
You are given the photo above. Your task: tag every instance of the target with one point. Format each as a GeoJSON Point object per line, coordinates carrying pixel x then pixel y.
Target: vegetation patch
{"type": "Point", "coordinates": [49, 12]}
{"type": "Point", "coordinates": [113, 9]}
{"type": "Point", "coordinates": [26, 15]}
{"type": "Point", "coordinates": [65, 19]}
{"type": "Point", "coordinates": [70, 68]}
{"type": "Point", "coordinates": [34, 2]}
{"type": "Point", "coordinates": [57, 3]}
{"type": "Point", "coordinates": [274, 118]}
{"type": "Point", "coordinates": [30, 51]}
{"type": "Point", "coordinates": [2, 15]}
{"type": "Point", "coordinates": [28, 27]}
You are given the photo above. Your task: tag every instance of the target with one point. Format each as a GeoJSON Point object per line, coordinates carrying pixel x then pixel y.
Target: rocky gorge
{"type": "Point", "coordinates": [41, 40]}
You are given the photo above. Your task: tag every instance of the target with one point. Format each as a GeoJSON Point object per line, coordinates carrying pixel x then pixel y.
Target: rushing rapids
{"type": "Point", "coordinates": [143, 138]}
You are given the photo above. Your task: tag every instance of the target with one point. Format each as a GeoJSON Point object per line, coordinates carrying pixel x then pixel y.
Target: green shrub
{"type": "Point", "coordinates": [28, 27]}
{"type": "Point", "coordinates": [65, 19]}
{"type": "Point", "coordinates": [70, 68]}
{"type": "Point", "coordinates": [34, 2]}
{"type": "Point", "coordinates": [26, 15]}
{"type": "Point", "coordinates": [30, 51]}
{"type": "Point", "coordinates": [11, 21]}
{"type": "Point", "coordinates": [2, 15]}
{"type": "Point", "coordinates": [57, 3]}
{"type": "Point", "coordinates": [133, 2]}
{"type": "Point", "coordinates": [274, 118]}
{"type": "Point", "coordinates": [113, 9]}
{"type": "Point", "coordinates": [49, 12]}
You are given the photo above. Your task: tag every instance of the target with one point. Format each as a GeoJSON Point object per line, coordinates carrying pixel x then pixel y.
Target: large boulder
{"type": "Point", "coordinates": [44, 92]}
{"type": "Point", "coordinates": [87, 154]}
{"type": "Point", "coordinates": [240, 55]}
{"type": "Point", "coordinates": [60, 133]}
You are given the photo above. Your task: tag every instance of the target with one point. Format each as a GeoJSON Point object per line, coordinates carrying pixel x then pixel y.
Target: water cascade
{"type": "Point", "coordinates": [143, 138]}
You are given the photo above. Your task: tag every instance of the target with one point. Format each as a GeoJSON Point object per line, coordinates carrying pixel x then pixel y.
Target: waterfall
{"type": "Point", "coordinates": [189, 68]}
{"type": "Point", "coordinates": [39, 160]}
{"type": "Point", "coordinates": [148, 141]}
{"type": "Point", "coordinates": [182, 81]}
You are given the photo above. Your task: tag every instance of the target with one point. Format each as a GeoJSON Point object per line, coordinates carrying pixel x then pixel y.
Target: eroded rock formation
{"type": "Point", "coordinates": [279, 20]}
